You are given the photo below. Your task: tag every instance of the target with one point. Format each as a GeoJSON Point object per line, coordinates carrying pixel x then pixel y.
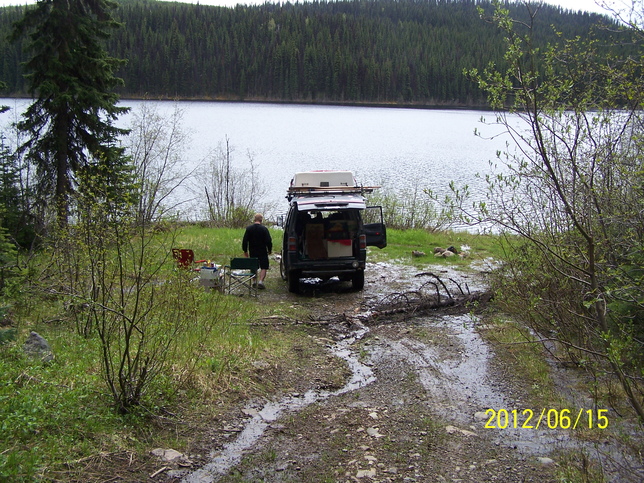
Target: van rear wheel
{"type": "Point", "coordinates": [293, 281]}
{"type": "Point", "coordinates": [358, 280]}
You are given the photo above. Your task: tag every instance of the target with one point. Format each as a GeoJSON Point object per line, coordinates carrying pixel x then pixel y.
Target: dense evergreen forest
{"type": "Point", "coordinates": [371, 51]}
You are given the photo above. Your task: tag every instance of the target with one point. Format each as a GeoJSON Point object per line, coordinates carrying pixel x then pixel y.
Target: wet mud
{"type": "Point", "coordinates": [414, 408]}
{"type": "Point", "coordinates": [232, 453]}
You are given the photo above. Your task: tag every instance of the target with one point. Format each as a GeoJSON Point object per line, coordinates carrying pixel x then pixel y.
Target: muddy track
{"type": "Point", "coordinates": [412, 407]}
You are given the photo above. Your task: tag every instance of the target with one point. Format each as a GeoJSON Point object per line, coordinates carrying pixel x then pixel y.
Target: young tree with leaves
{"type": "Point", "coordinates": [572, 191]}
{"type": "Point", "coordinates": [71, 78]}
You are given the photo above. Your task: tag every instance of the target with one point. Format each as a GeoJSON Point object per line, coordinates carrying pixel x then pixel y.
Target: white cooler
{"type": "Point", "coordinates": [210, 277]}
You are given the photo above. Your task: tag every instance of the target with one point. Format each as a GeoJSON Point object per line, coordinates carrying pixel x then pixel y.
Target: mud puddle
{"type": "Point", "coordinates": [459, 382]}
{"type": "Point", "coordinates": [386, 277]}
{"type": "Point", "coordinates": [383, 278]}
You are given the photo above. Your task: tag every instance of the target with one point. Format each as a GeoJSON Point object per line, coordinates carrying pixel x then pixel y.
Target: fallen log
{"type": "Point", "coordinates": [407, 304]}
{"type": "Point", "coordinates": [417, 304]}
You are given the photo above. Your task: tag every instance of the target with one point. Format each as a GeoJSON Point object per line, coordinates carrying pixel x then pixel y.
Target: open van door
{"type": "Point", "coordinates": [374, 227]}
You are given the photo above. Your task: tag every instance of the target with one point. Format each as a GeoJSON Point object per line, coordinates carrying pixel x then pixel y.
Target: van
{"type": "Point", "coordinates": [328, 228]}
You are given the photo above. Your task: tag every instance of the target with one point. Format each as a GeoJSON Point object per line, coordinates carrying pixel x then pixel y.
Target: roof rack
{"type": "Point", "coordinates": [328, 190]}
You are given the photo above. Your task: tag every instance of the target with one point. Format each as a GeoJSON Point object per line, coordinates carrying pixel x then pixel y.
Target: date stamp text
{"type": "Point", "coordinates": [546, 419]}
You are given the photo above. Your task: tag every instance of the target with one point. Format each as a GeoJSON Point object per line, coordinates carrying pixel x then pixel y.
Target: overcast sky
{"type": "Point", "coordinates": [588, 5]}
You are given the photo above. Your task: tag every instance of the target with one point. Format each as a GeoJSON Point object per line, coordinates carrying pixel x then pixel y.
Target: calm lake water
{"type": "Point", "coordinates": [391, 147]}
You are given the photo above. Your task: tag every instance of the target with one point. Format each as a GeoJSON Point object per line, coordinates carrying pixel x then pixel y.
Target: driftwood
{"type": "Point", "coordinates": [412, 303]}
{"type": "Point", "coordinates": [415, 304]}
{"type": "Point", "coordinates": [420, 302]}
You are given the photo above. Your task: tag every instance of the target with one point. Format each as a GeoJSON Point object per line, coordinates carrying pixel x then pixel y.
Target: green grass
{"type": "Point", "coordinates": [221, 244]}
{"type": "Point", "coordinates": [60, 412]}
{"type": "Point", "coordinates": [579, 467]}
{"type": "Point", "coordinates": [523, 355]}
{"type": "Point", "coordinates": [218, 244]}
{"type": "Point", "coordinates": [401, 243]}
{"type": "Point", "coordinates": [52, 411]}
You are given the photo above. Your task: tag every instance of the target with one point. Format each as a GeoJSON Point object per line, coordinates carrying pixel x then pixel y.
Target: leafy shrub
{"type": "Point", "coordinates": [412, 208]}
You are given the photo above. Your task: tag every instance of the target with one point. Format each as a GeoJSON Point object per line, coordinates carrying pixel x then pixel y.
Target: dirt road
{"type": "Point", "coordinates": [394, 399]}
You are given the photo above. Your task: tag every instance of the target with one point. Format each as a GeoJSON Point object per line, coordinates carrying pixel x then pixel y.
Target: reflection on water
{"type": "Point", "coordinates": [391, 147]}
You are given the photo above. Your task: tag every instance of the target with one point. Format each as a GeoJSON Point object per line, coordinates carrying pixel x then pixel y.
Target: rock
{"type": "Point", "coordinates": [370, 473]}
{"type": "Point", "coordinates": [282, 466]}
{"type": "Point", "coordinates": [545, 461]}
{"type": "Point", "coordinates": [481, 416]}
{"type": "Point", "coordinates": [168, 455]}
{"type": "Point", "coordinates": [261, 365]}
{"type": "Point", "coordinates": [464, 432]}
{"type": "Point", "coordinates": [373, 432]}
{"type": "Point", "coordinates": [36, 346]}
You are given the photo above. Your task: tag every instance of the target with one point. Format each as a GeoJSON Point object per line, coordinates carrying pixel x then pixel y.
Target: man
{"type": "Point", "coordinates": [257, 243]}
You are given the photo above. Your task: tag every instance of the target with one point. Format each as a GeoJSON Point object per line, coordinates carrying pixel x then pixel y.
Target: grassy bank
{"type": "Point", "coordinates": [58, 418]}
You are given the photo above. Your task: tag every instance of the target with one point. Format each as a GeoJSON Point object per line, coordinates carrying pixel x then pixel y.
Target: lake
{"type": "Point", "coordinates": [390, 147]}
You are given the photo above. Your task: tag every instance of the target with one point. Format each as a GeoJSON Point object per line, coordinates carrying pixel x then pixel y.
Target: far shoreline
{"type": "Point", "coordinates": [388, 105]}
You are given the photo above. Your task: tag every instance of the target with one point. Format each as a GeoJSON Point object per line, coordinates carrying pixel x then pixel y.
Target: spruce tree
{"type": "Point", "coordinates": [71, 78]}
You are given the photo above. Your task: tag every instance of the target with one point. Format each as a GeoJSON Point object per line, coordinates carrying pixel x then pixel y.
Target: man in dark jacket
{"type": "Point", "coordinates": [257, 243]}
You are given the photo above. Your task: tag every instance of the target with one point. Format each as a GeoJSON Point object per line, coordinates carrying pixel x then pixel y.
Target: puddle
{"type": "Point", "coordinates": [232, 453]}
{"type": "Point", "coordinates": [463, 385]}
{"type": "Point", "coordinates": [383, 278]}
{"type": "Point", "coordinates": [457, 381]}
{"type": "Point", "coordinates": [456, 372]}
{"type": "Point", "coordinates": [460, 383]}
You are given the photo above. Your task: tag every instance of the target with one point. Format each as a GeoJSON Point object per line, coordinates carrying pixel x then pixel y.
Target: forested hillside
{"type": "Point", "coordinates": [380, 51]}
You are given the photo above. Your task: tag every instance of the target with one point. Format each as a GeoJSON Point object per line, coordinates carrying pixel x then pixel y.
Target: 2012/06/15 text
{"type": "Point", "coordinates": [546, 418]}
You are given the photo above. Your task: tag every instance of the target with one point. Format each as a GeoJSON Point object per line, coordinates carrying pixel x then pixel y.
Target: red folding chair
{"type": "Point", "coordinates": [185, 258]}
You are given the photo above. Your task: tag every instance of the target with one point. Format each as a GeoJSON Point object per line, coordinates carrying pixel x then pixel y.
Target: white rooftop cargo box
{"type": "Point", "coordinates": [323, 179]}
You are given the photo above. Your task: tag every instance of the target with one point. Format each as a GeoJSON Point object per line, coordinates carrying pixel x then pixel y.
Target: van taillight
{"type": "Point", "coordinates": [363, 242]}
{"type": "Point", "coordinates": [292, 244]}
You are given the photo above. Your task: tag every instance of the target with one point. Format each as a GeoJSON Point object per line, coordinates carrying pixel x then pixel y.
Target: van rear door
{"type": "Point", "coordinates": [374, 227]}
